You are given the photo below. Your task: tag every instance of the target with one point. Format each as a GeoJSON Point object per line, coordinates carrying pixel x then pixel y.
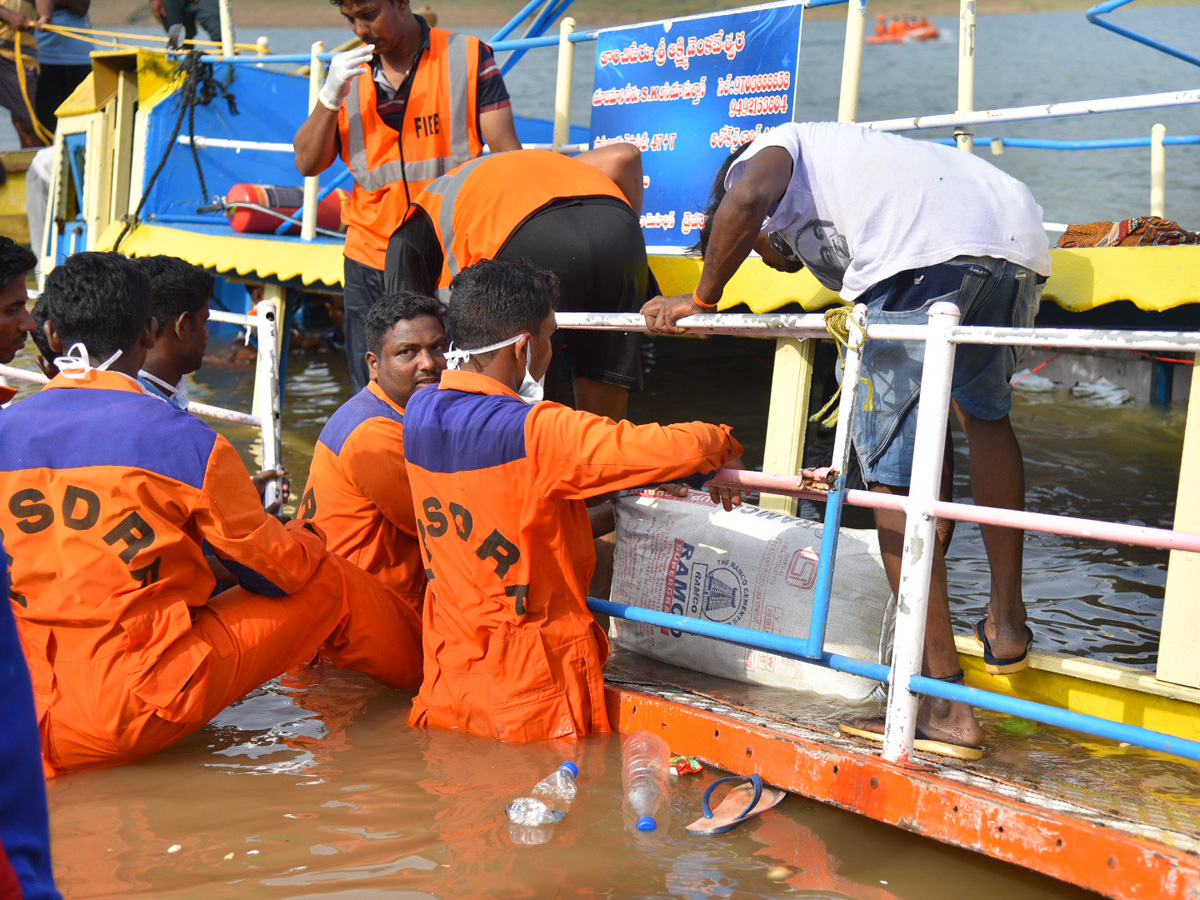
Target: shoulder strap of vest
{"type": "Point", "coordinates": [458, 61]}
{"type": "Point", "coordinates": [448, 187]}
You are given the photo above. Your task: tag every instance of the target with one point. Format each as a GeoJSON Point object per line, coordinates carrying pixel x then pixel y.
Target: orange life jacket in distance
{"type": "Point", "coordinates": [441, 130]}
{"type": "Point", "coordinates": [476, 208]}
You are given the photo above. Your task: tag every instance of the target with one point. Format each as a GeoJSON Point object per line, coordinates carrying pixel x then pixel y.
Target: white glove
{"type": "Point", "coordinates": [343, 69]}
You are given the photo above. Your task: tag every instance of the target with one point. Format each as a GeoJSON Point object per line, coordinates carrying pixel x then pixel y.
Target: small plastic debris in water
{"type": "Point", "coordinates": [1025, 380]}
{"type": "Point", "coordinates": [1101, 392]}
{"type": "Point", "coordinates": [778, 873]}
{"type": "Point", "coordinates": [175, 848]}
{"type": "Point", "coordinates": [228, 855]}
{"type": "Point", "coordinates": [686, 765]}
{"type": "Point", "coordinates": [252, 853]}
{"type": "Point", "coordinates": [1014, 727]}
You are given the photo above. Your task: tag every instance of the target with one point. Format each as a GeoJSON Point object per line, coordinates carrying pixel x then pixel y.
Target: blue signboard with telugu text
{"type": "Point", "coordinates": [687, 92]}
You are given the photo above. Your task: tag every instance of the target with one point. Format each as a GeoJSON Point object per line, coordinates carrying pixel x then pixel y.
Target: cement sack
{"type": "Point", "coordinates": [755, 569]}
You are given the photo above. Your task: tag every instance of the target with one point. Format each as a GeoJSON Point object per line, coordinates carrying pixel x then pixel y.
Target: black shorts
{"type": "Point", "coordinates": [595, 247]}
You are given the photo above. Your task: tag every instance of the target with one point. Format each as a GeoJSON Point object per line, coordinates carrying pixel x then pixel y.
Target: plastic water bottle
{"type": "Point", "coordinates": [549, 800]}
{"type": "Point", "coordinates": [645, 773]}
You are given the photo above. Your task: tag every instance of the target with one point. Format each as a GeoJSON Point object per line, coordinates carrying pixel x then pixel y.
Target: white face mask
{"type": "Point", "coordinates": [530, 391]}
{"type": "Point", "coordinates": [177, 394]}
{"type": "Point", "coordinates": [76, 363]}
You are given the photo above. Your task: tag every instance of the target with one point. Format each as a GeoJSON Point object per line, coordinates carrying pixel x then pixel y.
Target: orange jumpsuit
{"type": "Point", "coordinates": [108, 499]}
{"type": "Point", "coordinates": [511, 650]}
{"type": "Point", "coordinates": [358, 493]}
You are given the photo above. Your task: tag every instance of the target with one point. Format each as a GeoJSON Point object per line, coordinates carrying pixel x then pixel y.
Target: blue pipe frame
{"type": "Point", "coordinates": [798, 649]}
{"type": "Point", "coordinates": [1103, 9]}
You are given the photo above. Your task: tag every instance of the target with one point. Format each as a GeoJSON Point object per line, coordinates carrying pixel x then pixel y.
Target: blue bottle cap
{"type": "Point", "coordinates": [646, 823]}
{"type": "Point", "coordinates": [571, 767]}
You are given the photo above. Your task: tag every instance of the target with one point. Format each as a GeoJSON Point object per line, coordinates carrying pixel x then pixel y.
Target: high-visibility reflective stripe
{"type": "Point", "coordinates": [448, 188]}
{"type": "Point", "coordinates": [456, 54]}
{"type": "Point", "coordinates": [457, 50]}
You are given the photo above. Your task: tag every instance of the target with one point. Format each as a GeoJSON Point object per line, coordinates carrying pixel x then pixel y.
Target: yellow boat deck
{"type": "Point", "coordinates": [1117, 820]}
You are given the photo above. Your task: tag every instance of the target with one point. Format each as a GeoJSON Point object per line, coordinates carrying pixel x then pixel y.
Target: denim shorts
{"type": "Point", "coordinates": [987, 291]}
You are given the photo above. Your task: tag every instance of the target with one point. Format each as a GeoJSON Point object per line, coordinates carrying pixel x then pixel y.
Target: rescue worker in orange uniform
{"type": "Point", "coordinates": [357, 488]}
{"type": "Point", "coordinates": [431, 100]}
{"type": "Point", "coordinates": [499, 482]}
{"type": "Point", "coordinates": [564, 214]}
{"type": "Point", "coordinates": [108, 497]}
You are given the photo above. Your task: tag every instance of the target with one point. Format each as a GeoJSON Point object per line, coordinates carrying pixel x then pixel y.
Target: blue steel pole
{"type": "Point", "coordinates": [781, 644]}
{"type": "Point", "coordinates": [796, 648]}
{"type": "Point", "coordinates": [835, 502]}
{"type": "Point", "coordinates": [1093, 16]}
{"type": "Point", "coordinates": [552, 11]}
{"type": "Point", "coordinates": [824, 586]}
{"type": "Point", "coordinates": [516, 20]}
{"type": "Point", "coordinates": [1063, 718]}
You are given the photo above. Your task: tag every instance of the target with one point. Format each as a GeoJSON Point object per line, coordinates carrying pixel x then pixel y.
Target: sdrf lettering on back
{"type": "Point", "coordinates": [427, 126]}
{"type": "Point", "coordinates": [438, 520]}
{"type": "Point", "coordinates": [80, 511]}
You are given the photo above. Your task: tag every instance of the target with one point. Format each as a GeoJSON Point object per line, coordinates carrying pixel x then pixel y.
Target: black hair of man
{"type": "Point", "coordinates": [176, 287]}
{"type": "Point", "coordinates": [400, 306]}
{"type": "Point", "coordinates": [40, 339]}
{"type": "Point", "coordinates": [101, 300]}
{"type": "Point", "coordinates": [492, 301]}
{"type": "Point", "coordinates": [714, 200]}
{"type": "Point", "coordinates": [15, 261]}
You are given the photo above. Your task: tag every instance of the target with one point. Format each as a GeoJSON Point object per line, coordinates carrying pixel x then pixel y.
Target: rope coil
{"type": "Point", "coordinates": [199, 88]}
{"type": "Point", "coordinates": [837, 322]}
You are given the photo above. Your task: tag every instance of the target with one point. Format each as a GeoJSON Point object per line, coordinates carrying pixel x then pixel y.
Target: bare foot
{"type": "Point", "coordinates": [949, 721]}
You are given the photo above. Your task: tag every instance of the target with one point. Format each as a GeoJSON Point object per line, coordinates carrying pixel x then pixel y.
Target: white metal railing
{"type": "Point", "coordinates": [922, 504]}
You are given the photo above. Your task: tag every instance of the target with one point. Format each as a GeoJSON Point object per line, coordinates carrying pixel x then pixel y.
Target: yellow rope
{"type": "Point", "coordinates": [91, 34]}
{"type": "Point", "coordinates": [837, 322]}
{"type": "Point", "coordinates": [38, 128]}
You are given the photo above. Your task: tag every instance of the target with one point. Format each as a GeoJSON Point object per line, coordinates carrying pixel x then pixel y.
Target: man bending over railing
{"type": "Point", "coordinates": [899, 225]}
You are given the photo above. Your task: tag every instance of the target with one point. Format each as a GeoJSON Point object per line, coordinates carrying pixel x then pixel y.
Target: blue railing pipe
{"type": "Point", "coordinates": [797, 648]}
{"type": "Point", "coordinates": [526, 11]}
{"type": "Point", "coordinates": [834, 503]}
{"type": "Point", "coordinates": [1052, 715]}
{"type": "Point", "coordinates": [553, 9]}
{"type": "Point", "coordinates": [780, 644]}
{"type": "Point", "coordinates": [1094, 14]}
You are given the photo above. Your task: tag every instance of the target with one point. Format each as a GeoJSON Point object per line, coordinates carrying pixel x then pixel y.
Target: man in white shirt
{"type": "Point", "coordinates": [900, 224]}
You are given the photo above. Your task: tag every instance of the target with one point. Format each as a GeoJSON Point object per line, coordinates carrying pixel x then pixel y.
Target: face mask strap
{"type": "Point", "coordinates": [77, 363]}
{"type": "Point", "coordinates": [455, 358]}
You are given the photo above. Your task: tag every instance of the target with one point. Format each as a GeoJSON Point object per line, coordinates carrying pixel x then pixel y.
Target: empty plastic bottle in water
{"type": "Point", "coordinates": [645, 773]}
{"type": "Point", "coordinates": [549, 800]}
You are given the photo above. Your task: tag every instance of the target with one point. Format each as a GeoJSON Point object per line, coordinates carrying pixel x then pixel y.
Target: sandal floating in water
{"type": "Point", "coordinates": [743, 802]}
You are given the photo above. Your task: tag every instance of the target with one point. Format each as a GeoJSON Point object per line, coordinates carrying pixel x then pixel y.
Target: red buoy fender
{"type": "Point", "coordinates": [281, 199]}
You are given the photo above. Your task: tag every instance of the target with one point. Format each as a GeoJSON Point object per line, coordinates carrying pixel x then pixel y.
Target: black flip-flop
{"type": "Point", "coordinates": [994, 664]}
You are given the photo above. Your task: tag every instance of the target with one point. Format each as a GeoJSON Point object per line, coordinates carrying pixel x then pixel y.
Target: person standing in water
{"type": "Point", "coordinates": [826, 196]}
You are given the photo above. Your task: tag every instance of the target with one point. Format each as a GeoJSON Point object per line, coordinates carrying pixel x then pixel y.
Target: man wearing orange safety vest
{"type": "Point", "coordinates": [433, 99]}
{"type": "Point", "coordinates": [108, 499]}
{"type": "Point", "coordinates": [499, 481]}
{"type": "Point", "coordinates": [563, 214]}
{"type": "Point", "coordinates": [357, 488]}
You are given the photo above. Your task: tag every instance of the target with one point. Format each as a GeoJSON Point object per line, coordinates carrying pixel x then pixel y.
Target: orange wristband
{"type": "Point", "coordinates": [700, 303]}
